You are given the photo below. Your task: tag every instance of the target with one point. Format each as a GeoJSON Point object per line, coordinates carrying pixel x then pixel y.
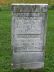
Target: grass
{"type": "Point", "coordinates": [51, 2]}
{"type": "Point", "coordinates": [5, 47]}
{"type": "Point", "coordinates": [5, 42]}
{"type": "Point", "coordinates": [49, 60]}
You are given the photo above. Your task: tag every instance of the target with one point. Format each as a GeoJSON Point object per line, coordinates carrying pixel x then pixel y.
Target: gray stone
{"type": "Point", "coordinates": [27, 58]}
{"type": "Point", "coordinates": [29, 22]}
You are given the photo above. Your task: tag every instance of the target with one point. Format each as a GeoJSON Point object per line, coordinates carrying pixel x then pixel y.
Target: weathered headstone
{"type": "Point", "coordinates": [29, 22]}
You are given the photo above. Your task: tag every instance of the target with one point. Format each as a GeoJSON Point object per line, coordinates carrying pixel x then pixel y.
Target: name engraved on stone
{"type": "Point", "coordinates": [26, 25]}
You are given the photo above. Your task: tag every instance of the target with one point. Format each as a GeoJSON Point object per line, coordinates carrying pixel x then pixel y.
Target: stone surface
{"type": "Point", "coordinates": [28, 44]}
{"type": "Point", "coordinates": [28, 59]}
{"type": "Point", "coordinates": [28, 35]}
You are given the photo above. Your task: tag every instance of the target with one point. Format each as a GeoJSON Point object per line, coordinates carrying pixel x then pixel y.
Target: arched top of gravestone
{"type": "Point", "coordinates": [26, 8]}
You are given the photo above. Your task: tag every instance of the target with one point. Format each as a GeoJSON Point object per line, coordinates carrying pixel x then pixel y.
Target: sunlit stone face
{"type": "Point", "coordinates": [28, 35]}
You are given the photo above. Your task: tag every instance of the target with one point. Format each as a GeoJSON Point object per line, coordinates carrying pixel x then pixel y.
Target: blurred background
{"type": "Point", "coordinates": [5, 35]}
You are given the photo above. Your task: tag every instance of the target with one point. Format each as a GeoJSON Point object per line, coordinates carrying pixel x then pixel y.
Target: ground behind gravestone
{"type": "Point", "coordinates": [5, 42]}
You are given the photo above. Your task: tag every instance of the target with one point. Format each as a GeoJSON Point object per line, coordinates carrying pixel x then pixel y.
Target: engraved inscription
{"type": "Point", "coordinates": [28, 44]}
{"type": "Point", "coordinates": [26, 25]}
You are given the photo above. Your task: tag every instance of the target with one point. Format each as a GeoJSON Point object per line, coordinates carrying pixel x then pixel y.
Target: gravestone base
{"type": "Point", "coordinates": [29, 70]}
{"type": "Point", "coordinates": [38, 65]}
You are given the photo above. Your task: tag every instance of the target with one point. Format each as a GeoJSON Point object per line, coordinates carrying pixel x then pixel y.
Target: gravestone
{"type": "Point", "coordinates": [29, 23]}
